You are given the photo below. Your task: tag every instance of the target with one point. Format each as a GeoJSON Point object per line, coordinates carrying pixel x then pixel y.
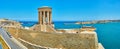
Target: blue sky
{"type": "Point", "coordinates": [62, 10]}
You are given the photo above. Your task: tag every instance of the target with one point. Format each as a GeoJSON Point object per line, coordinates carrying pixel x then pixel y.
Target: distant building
{"type": "Point", "coordinates": [9, 23]}
{"type": "Point", "coordinates": [87, 28]}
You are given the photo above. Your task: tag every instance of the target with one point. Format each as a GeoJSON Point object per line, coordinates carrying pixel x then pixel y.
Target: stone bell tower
{"type": "Point", "coordinates": [45, 18]}
{"type": "Point", "coordinates": [45, 15]}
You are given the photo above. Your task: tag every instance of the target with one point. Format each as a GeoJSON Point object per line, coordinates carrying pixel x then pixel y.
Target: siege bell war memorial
{"type": "Point", "coordinates": [43, 35]}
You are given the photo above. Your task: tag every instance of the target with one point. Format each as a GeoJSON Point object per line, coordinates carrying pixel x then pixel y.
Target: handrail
{"type": "Point", "coordinates": [5, 42]}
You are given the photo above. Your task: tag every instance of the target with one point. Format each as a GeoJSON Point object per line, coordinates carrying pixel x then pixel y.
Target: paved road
{"type": "Point", "coordinates": [7, 37]}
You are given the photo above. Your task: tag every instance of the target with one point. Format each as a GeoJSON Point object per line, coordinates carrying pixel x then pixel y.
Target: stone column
{"type": "Point", "coordinates": [43, 17]}
{"type": "Point", "coordinates": [48, 17]}
{"type": "Point", "coordinates": [40, 16]}
{"type": "Point", "coordinates": [46, 20]}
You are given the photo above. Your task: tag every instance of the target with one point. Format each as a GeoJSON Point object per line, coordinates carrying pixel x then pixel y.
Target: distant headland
{"type": "Point", "coordinates": [96, 21]}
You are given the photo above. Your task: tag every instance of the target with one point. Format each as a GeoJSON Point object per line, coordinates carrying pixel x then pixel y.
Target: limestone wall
{"type": "Point", "coordinates": [83, 40]}
{"type": "Point", "coordinates": [34, 46]}
{"type": "Point", "coordinates": [44, 28]}
{"type": "Point", "coordinates": [50, 28]}
{"type": "Point", "coordinates": [90, 39]}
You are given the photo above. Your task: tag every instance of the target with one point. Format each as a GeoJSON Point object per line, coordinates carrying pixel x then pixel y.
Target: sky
{"type": "Point", "coordinates": [62, 10]}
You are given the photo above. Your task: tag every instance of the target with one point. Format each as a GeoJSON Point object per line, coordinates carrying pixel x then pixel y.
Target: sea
{"type": "Point", "coordinates": [108, 33]}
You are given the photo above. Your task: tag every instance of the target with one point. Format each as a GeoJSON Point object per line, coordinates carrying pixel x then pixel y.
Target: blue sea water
{"type": "Point", "coordinates": [28, 23]}
{"type": "Point", "coordinates": [108, 33]}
